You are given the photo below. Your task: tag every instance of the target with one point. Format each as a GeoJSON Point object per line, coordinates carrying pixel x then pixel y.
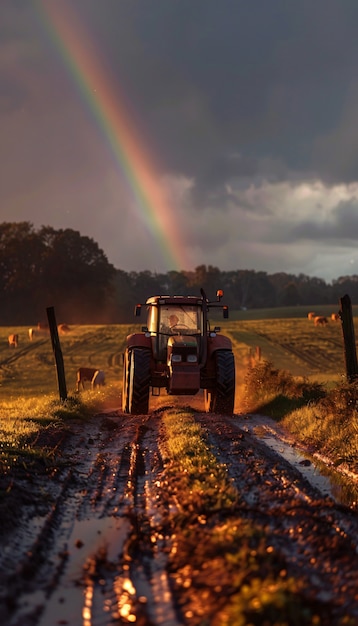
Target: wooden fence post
{"type": "Point", "coordinates": [57, 352]}
{"type": "Point", "coordinates": [350, 352]}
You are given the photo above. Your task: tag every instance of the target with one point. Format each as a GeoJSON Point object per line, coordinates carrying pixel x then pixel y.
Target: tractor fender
{"type": "Point", "coordinates": [139, 340]}
{"type": "Point", "coordinates": [219, 342]}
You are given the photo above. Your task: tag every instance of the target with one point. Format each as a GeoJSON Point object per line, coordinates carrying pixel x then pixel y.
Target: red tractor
{"type": "Point", "coordinates": [179, 352]}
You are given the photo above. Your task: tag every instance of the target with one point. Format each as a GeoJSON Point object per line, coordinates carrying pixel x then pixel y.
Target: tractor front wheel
{"type": "Point", "coordinates": [138, 385]}
{"type": "Point", "coordinates": [221, 398]}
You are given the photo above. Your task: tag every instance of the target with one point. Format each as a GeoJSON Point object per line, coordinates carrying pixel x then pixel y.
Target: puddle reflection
{"type": "Point", "coordinates": [72, 603]}
{"type": "Point", "coordinates": [327, 480]}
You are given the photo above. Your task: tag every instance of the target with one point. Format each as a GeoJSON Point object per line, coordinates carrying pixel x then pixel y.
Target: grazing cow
{"type": "Point", "coordinates": [31, 334]}
{"type": "Point", "coordinates": [90, 374]}
{"type": "Point", "coordinates": [98, 379]}
{"type": "Point", "coordinates": [311, 315]}
{"type": "Point", "coordinates": [63, 329]}
{"type": "Point", "coordinates": [320, 320]}
{"type": "Point", "coordinates": [13, 341]}
{"type": "Point", "coordinates": [43, 328]}
{"type": "Point", "coordinates": [335, 317]}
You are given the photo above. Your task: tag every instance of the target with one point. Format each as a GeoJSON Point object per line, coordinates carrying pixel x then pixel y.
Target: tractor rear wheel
{"type": "Point", "coordinates": [138, 381]}
{"type": "Point", "coordinates": [125, 384]}
{"type": "Point", "coordinates": [221, 399]}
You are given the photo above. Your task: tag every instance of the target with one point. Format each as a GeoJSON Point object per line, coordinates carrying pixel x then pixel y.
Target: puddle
{"type": "Point", "coordinates": [68, 604]}
{"type": "Point", "coordinates": [327, 480]}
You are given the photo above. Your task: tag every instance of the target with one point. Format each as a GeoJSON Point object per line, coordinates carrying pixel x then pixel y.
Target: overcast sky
{"type": "Point", "coordinates": [244, 112]}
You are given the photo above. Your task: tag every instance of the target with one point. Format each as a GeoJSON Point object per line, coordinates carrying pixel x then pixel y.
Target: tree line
{"type": "Point", "coordinates": [66, 270]}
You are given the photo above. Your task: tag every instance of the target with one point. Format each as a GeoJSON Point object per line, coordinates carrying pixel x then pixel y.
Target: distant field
{"type": "Point", "coordinates": [289, 341]}
{"type": "Point", "coordinates": [288, 312]}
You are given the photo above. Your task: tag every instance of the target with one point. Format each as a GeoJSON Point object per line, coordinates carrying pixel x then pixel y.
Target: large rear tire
{"type": "Point", "coordinates": [139, 381]}
{"type": "Point", "coordinates": [221, 399]}
{"type": "Point", "coordinates": [125, 384]}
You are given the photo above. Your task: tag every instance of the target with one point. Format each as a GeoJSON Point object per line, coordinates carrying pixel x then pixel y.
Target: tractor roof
{"type": "Point", "coordinates": [181, 300]}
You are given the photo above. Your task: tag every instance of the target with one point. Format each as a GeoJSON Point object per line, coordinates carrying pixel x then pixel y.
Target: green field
{"type": "Point", "coordinates": [290, 341]}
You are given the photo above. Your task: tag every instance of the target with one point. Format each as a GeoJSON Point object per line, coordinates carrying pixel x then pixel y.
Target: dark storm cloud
{"type": "Point", "coordinates": [213, 78]}
{"type": "Point", "coordinates": [341, 226]}
{"type": "Point", "coordinates": [208, 79]}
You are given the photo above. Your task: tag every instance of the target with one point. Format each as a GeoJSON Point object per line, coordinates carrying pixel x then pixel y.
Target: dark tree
{"type": "Point", "coordinates": [21, 253]}
{"type": "Point", "coordinates": [77, 278]}
{"type": "Point", "coordinates": [46, 268]}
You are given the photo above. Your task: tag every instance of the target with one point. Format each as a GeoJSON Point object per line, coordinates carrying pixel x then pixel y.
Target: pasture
{"type": "Point", "coordinates": [29, 370]}
{"type": "Point", "coordinates": [290, 343]}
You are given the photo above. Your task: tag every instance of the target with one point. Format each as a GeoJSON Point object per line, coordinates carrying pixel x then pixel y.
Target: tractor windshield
{"type": "Point", "coordinates": [166, 320]}
{"type": "Point", "coordinates": [185, 320]}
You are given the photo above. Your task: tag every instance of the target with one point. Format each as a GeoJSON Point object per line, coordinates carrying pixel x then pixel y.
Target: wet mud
{"type": "Point", "coordinates": [88, 543]}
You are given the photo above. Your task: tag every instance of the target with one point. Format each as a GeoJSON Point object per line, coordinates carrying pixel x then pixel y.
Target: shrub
{"type": "Point", "coordinates": [263, 383]}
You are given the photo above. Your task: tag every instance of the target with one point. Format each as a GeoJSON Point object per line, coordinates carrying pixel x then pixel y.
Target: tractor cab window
{"type": "Point", "coordinates": [168, 320]}
{"type": "Point", "coordinates": [152, 319]}
{"type": "Point", "coordinates": [180, 320]}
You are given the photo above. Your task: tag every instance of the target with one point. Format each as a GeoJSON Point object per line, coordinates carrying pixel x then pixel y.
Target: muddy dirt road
{"type": "Point", "coordinates": [92, 541]}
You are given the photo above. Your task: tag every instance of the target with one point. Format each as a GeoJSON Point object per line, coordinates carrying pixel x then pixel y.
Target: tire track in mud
{"type": "Point", "coordinates": [98, 556]}
{"type": "Point", "coordinates": [315, 537]}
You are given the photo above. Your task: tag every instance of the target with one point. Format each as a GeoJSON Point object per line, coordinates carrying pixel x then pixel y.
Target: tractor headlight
{"type": "Point", "coordinates": [192, 358]}
{"type": "Point", "coordinates": [176, 358]}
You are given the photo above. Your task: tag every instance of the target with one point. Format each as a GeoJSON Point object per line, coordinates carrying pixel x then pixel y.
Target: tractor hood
{"type": "Point", "coordinates": [182, 359]}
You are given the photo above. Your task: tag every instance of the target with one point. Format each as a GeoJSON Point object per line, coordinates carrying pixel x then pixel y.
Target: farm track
{"type": "Point", "coordinates": [314, 355]}
{"type": "Point", "coordinates": [115, 359]}
{"type": "Point", "coordinates": [18, 353]}
{"type": "Point", "coordinates": [91, 541]}
{"type": "Point", "coordinates": [313, 358]}
{"type": "Point", "coordinates": [97, 545]}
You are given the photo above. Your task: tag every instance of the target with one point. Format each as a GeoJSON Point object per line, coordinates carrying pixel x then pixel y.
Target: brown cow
{"type": "Point", "coordinates": [31, 334]}
{"type": "Point", "coordinates": [311, 315]}
{"type": "Point", "coordinates": [335, 317]}
{"type": "Point", "coordinates": [13, 341]}
{"type": "Point", "coordinates": [320, 320]}
{"type": "Point", "coordinates": [90, 374]}
{"type": "Point", "coordinates": [63, 329]}
{"type": "Point", "coordinates": [41, 329]}
{"type": "Point", "coordinates": [98, 379]}
{"type": "Point", "coordinates": [42, 326]}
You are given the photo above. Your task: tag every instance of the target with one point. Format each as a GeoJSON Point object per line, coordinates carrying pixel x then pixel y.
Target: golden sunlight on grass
{"type": "Point", "coordinates": [21, 419]}
{"type": "Point", "coordinates": [194, 464]}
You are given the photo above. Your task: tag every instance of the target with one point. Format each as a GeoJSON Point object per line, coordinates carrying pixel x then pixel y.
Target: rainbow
{"type": "Point", "coordinates": [108, 109]}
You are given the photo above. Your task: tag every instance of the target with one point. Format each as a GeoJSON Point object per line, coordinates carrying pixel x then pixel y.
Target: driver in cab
{"type": "Point", "coordinates": [171, 324]}
{"type": "Point", "coordinates": [173, 321]}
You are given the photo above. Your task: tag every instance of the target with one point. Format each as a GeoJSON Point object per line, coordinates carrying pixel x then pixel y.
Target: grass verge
{"type": "Point", "coordinates": [27, 424]}
{"type": "Point", "coordinates": [321, 418]}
